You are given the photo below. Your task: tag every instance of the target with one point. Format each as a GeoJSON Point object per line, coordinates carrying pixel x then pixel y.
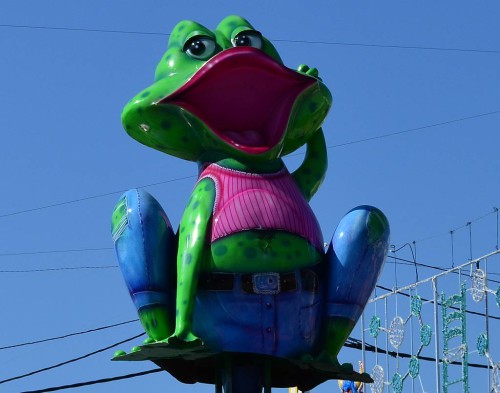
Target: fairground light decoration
{"type": "Point", "coordinates": [421, 330]}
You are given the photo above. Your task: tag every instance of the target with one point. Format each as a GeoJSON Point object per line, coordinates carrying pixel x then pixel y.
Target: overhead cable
{"type": "Point", "coordinates": [309, 42]}
{"type": "Point", "coordinates": [68, 335]}
{"type": "Point", "coordinates": [94, 382]}
{"type": "Point", "coordinates": [69, 361]}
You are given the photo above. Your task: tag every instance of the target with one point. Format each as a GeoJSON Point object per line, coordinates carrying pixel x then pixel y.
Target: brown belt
{"type": "Point", "coordinates": [260, 283]}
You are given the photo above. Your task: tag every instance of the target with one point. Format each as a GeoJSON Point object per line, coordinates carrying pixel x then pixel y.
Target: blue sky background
{"type": "Point", "coordinates": [61, 95]}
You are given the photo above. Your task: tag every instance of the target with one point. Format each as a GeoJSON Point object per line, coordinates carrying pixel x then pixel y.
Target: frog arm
{"type": "Point", "coordinates": [194, 235]}
{"type": "Point", "coordinates": [311, 173]}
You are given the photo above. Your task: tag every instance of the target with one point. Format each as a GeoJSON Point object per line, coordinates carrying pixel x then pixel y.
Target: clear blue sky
{"type": "Point", "coordinates": [61, 95]}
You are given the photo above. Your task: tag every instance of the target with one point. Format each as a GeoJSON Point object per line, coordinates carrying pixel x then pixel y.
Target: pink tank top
{"type": "Point", "coordinates": [246, 201]}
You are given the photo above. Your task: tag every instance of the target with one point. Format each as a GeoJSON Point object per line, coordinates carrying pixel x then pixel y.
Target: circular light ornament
{"type": "Point", "coordinates": [374, 326]}
{"type": "Point", "coordinates": [397, 383]}
{"type": "Point", "coordinates": [496, 378]}
{"type": "Point", "coordinates": [378, 379]}
{"type": "Point", "coordinates": [396, 332]}
{"type": "Point", "coordinates": [416, 305]}
{"type": "Point", "coordinates": [482, 344]}
{"type": "Point", "coordinates": [425, 335]}
{"type": "Point", "coordinates": [478, 285]}
{"type": "Point", "coordinates": [414, 367]}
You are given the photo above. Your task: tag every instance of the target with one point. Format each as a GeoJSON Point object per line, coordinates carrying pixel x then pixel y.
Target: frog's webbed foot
{"type": "Point", "coordinates": [171, 348]}
{"type": "Point", "coordinates": [184, 341]}
{"type": "Point", "coordinates": [304, 69]}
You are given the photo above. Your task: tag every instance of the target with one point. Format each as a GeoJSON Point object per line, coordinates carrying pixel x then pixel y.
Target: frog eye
{"type": "Point", "coordinates": [200, 47]}
{"type": "Point", "coordinates": [248, 38]}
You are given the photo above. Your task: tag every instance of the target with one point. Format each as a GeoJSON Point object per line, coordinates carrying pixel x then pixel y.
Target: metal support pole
{"type": "Point", "coordinates": [411, 339]}
{"type": "Point", "coordinates": [487, 317]}
{"type": "Point", "coordinates": [386, 341]}
{"type": "Point", "coordinates": [363, 353]}
{"type": "Point", "coordinates": [436, 334]}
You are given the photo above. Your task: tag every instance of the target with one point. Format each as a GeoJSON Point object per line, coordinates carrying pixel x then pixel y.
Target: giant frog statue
{"type": "Point", "coordinates": [247, 272]}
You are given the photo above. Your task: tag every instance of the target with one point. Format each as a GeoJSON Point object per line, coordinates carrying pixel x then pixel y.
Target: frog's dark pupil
{"type": "Point", "coordinates": [197, 47]}
{"type": "Point", "coordinates": [242, 40]}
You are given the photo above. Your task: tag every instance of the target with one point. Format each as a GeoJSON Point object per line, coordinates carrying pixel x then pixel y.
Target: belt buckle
{"type": "Point", "coordinates": [266, 283]}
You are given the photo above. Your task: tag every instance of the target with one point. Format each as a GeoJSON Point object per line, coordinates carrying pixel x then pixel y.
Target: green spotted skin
{"type": "Point", "coordinates": [262, 251]}
{"type": "Point", "coordinates": [311, 173]}
{"type": "Point", "coordinates": [173, 130]}
{"type": "Point", "coordinates": [192, 254]}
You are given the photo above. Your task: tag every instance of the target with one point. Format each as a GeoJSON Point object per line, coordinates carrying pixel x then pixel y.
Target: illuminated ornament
{"type": "Point", "coordinates": [414, 367]}
{"type": "Point", "coordinates": [397, 383]}
{"type": "Point", "coordinates": [378, 379]}
{"type": "Point", "coordinates": [374, 326]}
{"type": "Point", "coordinates": [482, 344]}
{"type": "Point", "coordinates": [425, 335]}
{"type": "Point", "coordinates": [416, 306]}
{"type": "Point", "coordinates": [396, 332]}
{"type": "Point", "coordinates": [454, 354]}
{"type": "Point", "coordinates": [478, 285]}
{"type": "Point", "coordinates": [496, 378]}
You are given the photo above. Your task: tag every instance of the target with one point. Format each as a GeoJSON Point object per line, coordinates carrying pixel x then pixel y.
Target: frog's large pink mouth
{"type": "Point", "coordinates": [244, 96]}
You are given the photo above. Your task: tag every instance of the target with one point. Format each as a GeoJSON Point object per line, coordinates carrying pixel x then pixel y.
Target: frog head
{"type": "Point", "coordinates": [225, 93]}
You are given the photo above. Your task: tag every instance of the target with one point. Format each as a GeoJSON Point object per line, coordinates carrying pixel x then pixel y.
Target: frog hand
{"type": "Point", "coordinates": [304, 69]}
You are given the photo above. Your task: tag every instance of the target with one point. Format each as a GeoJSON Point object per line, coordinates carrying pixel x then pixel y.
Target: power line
{"type": "Point", "coordinates": [433, 48]}
{"type": "Point", "coordinates": [68, 335]}
{"type": "Point", "coordinates": [290, 155]}
{"type": "Point", "coordinates": [330, 43]}
{"type": "Point", "coordinates": [91, 197]}
{"type": "Point", "coordinates": [54, 269]}
{"type": "Point", "coordinates": [70, 361]}
{"type": "Point", "coordinates": [414, 129]}
{"type": "Point", "coordinates": [12, 254]}
{"type": "Point", "coordinates": [82, 29]}
{"type": "Point", "coordinates": [94, 382]}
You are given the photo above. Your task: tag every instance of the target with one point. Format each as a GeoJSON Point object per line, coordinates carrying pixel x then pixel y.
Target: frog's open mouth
{"type": "Point", "coordinates": [244, 96]}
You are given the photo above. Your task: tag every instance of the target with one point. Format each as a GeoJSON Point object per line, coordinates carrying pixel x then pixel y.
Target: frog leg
{"type": "Point", "coordinates": [194, 240]}
{"type": "Point", "coordinates": [145, 245]}
{"type": "Point", "coordinates": [354, 261]}
{"type": "Point", "coordinates": [311, 173]}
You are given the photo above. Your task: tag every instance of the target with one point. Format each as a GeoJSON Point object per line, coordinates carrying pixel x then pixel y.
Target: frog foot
{"type": "Point", "coordinates": [184, 341]}
{"type": "Point", "coordinates": [156, 322]}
